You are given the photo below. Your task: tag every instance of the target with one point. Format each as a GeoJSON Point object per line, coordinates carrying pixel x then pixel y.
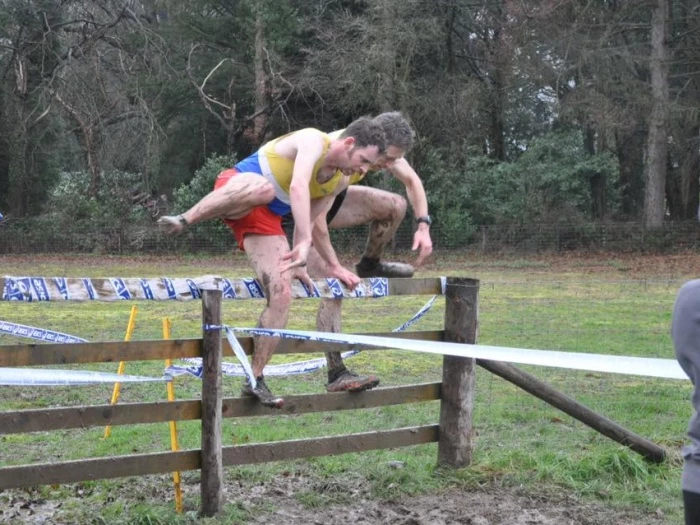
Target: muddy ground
{"type": "Point", "coordinates": [279, 502]}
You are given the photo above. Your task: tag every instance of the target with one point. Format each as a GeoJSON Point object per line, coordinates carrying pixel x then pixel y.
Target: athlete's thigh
{"type": "Point", "coordinates": [245, 191]}
{"type": "Point", "coordinates": [363, 204]}
{"type": "Point", "coordinates": [265, 254]}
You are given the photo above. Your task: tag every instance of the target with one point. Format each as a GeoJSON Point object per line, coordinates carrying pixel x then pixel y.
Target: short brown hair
{"type": "Point", "coordinates": [366, 132]}
{"type": "Point", "coordinates": [397, 130]}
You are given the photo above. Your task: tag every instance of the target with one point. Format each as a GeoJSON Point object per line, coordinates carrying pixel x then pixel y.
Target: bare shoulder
{"type": "Point", "coordinates": [310, 141]}
{"type": "Point", "coordinates": [307, 137]}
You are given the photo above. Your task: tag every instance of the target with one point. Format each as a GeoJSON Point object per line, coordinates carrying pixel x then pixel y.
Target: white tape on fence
{"type": "Point", "coordinates": [643, 366]}
{"type": "Point", "coordinates": [49, 377]}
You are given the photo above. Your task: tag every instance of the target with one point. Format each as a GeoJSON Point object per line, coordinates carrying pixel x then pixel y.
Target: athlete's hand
{"type": "Point", "coordinates": [301, 274]}
{"type": "Point", "coordinates": [297, 257]}
{"type": "Point", "coordinates": [422, 243]}
{"type": "Point", "coordinates": [348, 278]}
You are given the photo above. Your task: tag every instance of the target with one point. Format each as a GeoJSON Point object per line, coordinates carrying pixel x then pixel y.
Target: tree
{"type": "Point", "coordinates": [657, 139]}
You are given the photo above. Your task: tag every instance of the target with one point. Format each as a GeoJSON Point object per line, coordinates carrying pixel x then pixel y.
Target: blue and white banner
{"type": "Point", "coordinates": [642, 366]}
{"type": "Point", "coordinates": [39, 334]}
{"type": "Point", "coordinates": [31, 289]}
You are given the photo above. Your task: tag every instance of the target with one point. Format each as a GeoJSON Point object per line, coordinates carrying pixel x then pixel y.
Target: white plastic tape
{"type": "Point", "coordinates": [52, 377]}
{"type": "Point", "coordinates": [643, 366]}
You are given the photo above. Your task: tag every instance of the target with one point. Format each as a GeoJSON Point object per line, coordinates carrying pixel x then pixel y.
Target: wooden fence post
{"type": "Point", "coordinates": [461, 325]}
{"type": "Point", "coordinates": [212, 463]}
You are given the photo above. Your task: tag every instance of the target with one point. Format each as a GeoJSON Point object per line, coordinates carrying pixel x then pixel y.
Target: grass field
{"type": "Point", "coordinates": [595, 304]}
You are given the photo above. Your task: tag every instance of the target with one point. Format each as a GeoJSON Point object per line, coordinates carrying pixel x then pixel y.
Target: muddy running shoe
{"type": "Point", "coordinates": [375, 268]}
{"type": "Point", "coordinates": [350, 382]}
{"type": "Point", "coordinates": [262, 393]}
{"type": "Point", "coordinates": [172, 224]}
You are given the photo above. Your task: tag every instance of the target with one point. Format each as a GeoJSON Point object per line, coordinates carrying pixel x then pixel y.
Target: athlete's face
{"type": "Point", "coordinates": [360, 160]}
{"type": "Point", "coordinates": [389, 157]}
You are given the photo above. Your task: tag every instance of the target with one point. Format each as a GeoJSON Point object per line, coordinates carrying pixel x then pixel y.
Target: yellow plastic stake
{"type": "Point", "coordinates": [122, 365]}
{"type": "Point", "coordinates": [173, 425]}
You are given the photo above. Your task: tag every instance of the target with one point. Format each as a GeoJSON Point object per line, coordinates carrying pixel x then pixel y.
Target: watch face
{"type": "Point", "coordinates": [426, 219]}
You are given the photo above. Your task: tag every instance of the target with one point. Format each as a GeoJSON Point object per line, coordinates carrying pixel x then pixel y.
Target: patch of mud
{"type": "Point", "coordinates": [492, 506]}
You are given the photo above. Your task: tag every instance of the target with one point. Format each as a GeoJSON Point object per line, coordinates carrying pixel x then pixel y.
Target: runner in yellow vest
{"type": "Point", "coordinates": [297, 173]}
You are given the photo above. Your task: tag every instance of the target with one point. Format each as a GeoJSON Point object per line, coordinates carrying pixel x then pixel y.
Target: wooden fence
{"type": "Point", "coordinates": [453, 432]}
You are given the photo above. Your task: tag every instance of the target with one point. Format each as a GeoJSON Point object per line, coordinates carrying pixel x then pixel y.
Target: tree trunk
{"type": "Point", "coordinates": [682, 186]}
{"type": "Point", "coordinates": [657, 140]}
{"type": "Point", "coordinates": [597, 181]}
{"type": "Point", "coordinates": [262, 91]}
{"type": "Point", "coordinates": [91, 139]}
{"type": "Point", "coordinates": [630, 158]}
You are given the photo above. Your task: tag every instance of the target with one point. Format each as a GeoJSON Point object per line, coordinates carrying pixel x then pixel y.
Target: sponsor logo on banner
{"type": "Point", "coordinates": [335, 287]}
{"type": "Point", "coordinates": [38, 333]}
{"type": "Point", "coordinates": [92, 294]}
{"type": "Point", "coordinates": [120, 288]}
{"type": "Point", "coordinates": [310, 292]}
{"type": "Point", "coordinates": [62, 285]}
{"type": "Point", "coordinates": [194, 289]}
{"type": "Point", "coordinates": [380, 286]}
{"type": "Point", "coordinates": [228, 292]}
{"type": "Point", "coordinates": [41, 290]}
{"type": "Point", "coordinates": [254, 288]}
{"type": "Point", "coordinates": [146, 287]}
{"type": "Point", "coordinates": [170, 288]}
{"type": "Point", "coordinates": [12, 291]}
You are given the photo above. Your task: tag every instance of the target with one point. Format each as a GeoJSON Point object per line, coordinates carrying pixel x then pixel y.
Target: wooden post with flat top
{"type": "Point", "coordinates": [458, 374]}
{"type": "Point", "coordinates": [212, 393]}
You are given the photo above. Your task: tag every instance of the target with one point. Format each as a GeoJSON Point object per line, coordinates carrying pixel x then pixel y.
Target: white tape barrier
{"type": "Point", "coordinates": [18, 377]}
{"type": "Point", "coordinates": [642, 366]}
{"type": "Point", "coordinates": [52, 377]}
{"type": "Point", "coordinates": [287, 369]}
{"type": "Point", "coordinates": [30, 289]}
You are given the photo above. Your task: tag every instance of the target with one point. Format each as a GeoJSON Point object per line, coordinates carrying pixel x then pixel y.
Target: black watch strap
{"type": "Point", "coordinates": [425, 218]}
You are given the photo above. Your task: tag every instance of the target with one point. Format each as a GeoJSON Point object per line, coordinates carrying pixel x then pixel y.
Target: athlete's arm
{"type": "Point", "coordinates": [322, 243]}
{"type": "Point", "coordinates": [415, 192]}
{"type": "Point", "coordinates": [307, 147]}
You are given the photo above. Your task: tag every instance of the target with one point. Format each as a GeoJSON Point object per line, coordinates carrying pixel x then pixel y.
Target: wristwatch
{"type": "Point", "coordinates": [425, 218]}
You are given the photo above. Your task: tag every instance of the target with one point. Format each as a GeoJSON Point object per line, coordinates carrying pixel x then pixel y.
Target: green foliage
{"type": "Point", "coordinates": [549, 182]}
{"type": "Point", "coordinates": [82, 223]}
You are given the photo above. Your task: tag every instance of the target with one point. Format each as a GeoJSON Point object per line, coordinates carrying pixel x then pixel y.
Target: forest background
{"type": "Point", "coordinates": [555, 124]}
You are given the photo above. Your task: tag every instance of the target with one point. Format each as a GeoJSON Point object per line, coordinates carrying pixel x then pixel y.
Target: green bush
{"type": "Point", "coordinates": [105, 222]}
{"type": "Point", "coordinates": [550, 182]}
